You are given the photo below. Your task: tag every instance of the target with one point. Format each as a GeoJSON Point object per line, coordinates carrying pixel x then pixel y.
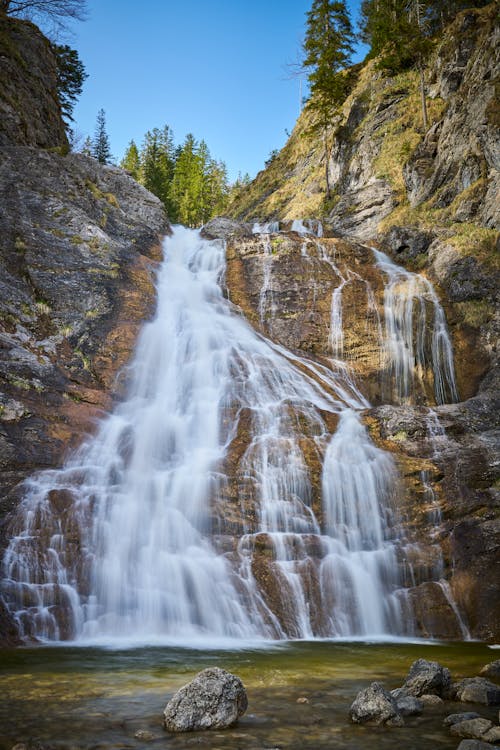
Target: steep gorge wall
{"type": "Point", "coordinates": [79, 248]}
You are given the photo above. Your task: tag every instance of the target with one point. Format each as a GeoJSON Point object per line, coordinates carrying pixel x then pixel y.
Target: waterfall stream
{"type": "Point", "coordinates": [144, 534]}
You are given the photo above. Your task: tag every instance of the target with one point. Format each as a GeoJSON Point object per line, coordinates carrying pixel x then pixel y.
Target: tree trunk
{"type": "Point", "coordinates": [422, 95]}
{"type": "Point", "coordinates": [327, 160]}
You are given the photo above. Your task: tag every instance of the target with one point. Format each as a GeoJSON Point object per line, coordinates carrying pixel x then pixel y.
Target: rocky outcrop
{"type": "Point", "coordinates": [382, 161]}
{"type": "Point", "coordinates": [215, 699]}
{"type": "Point", "coordinates": [79, 247]}
{"type": "Point", "coordinates": [29, 108]}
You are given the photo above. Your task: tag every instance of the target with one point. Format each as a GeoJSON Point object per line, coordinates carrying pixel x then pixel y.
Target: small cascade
{"type": "Point", "coordinates": [307, 226]}
{"type": "Point", "coordinates": [269, 227]}
{"type": "Point", "coordinates": [235, 493]}
{"type": "Point", "coordinates": [415, 342]}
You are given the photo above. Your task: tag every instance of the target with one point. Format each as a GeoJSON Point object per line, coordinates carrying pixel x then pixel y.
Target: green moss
{"type": "Point", "coordinates": [20, 245]}
{"type": "Point", "coordinates": [76, 240]}
{"type": "Point", "coordinates": [476, 313]}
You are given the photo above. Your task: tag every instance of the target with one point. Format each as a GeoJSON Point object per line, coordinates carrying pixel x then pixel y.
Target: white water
{"type": "Point", "coordinates": [407, 342]}
{"type": "Point", "coordinates": [133, 537]}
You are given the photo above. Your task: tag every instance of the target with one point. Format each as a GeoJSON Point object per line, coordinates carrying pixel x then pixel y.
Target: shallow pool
{"type": "Point", "coordinates": [80, 697]}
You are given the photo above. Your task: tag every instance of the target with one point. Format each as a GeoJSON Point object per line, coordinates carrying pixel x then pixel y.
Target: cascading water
{"type": "Point", "coordinates": [132, 538]}
{"type": "Point", "coordinates": [406, 357]}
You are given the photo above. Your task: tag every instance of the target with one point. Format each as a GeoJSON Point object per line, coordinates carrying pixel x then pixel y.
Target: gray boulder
{"type": "Point", "coordinates": [215, 699]}
{"type": "Point", "coordinates": [375, 705]}
{"type": "Point", "coordinates": [457, 718]}
{"type": "Point", "coordinates": [430, 700]}
{"type": "Point", "coordinates": [427, 678]}
{"type": "Point", "coordinates": [474, 729]}
{"type": "Point", "coordinates": [474, 745]}
{"type": "Point", "coordinates": [476, 690]}
{"type": "Point", "coordinates": [408, 705]}
{"type": "Point", "coordinates": [492, 670]}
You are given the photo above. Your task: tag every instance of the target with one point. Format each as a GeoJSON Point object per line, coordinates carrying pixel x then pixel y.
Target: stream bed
{"type": "Point", "coordinates": [86, 697]}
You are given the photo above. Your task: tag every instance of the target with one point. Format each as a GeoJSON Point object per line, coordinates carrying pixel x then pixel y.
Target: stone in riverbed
{"type": "Point", "coordinates": [476, 690]}
{"type": "Point", "coordinates": [474, 745]}
{"type": "Point", "coordinates": [215, 699]}
{"type": "Point", "coordinates": [456, 718]}
{"type": "Point", "coordinates": [474, 729]}
{"type": "Point", "coordinates": [408, 705]}
{"type": "Point", "coordinates": [427, 678]}
{"type": "Point", "coordinates": [491, 670]}
{"type": "Point", "coordinates": [375, 705]}
{"type": "Point", "coordinates": [430, 700]}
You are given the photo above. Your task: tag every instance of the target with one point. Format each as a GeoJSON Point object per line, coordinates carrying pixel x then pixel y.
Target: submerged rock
{"type": "Point", "coordinates": [408, 705]}
{"type": "Point", "coordinates": [457, 718]}
{"type": "Point", "coordinates": [427, 678]}
{"type": "Point", "coordinates": [215, 699]}
{"type": "Point", "coordinates": [375, 705]}
{"type": "Point", "coordinates": [473, 745]}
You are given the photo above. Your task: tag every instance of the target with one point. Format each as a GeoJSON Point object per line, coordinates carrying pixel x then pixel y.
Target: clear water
{"type": "Point", "coordinates": [96, 698]}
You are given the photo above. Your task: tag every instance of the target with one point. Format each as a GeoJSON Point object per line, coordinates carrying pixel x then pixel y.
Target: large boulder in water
{"type": "Point", "coordinates": [427, 678]}
{"type": "Point", "coordinates": [375, 705]}
{"type": "Point", "coordinates": [476, 690]}
{"type": "Point", "coordinates": [215, 699]}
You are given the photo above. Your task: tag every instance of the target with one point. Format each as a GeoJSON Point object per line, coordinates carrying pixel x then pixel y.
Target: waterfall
{"type": "Point", "coordinates": [407, 342]}
{"type": "Point", "coordinates": [144, 533]}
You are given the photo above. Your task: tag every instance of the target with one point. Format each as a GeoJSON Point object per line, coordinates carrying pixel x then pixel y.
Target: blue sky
{"type": "Point", "coordinates": [216, 68]}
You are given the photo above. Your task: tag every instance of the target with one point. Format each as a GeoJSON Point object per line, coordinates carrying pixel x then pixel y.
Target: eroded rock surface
{"type": "Point", "coordinates": [215, 699]}
{"type": "Point", "coordinates": [375, 705]}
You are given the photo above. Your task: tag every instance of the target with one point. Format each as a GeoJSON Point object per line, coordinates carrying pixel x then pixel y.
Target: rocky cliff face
{"type": "Point", "coordinates": [79, 245]}
{"type": "Point", "coordinates": [446, 454]}
{"type": "Point", "coordinates": [430, 200]}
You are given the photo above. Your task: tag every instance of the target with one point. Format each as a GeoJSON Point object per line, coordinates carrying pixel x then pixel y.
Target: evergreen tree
{"type": "Point", "coordinates": [87, 146]}
{"type": "Point", "coordinates": [131, 161]}
{"type": "Point", "coordinates": [186, 187]}
{"type": "Point", "coordinates": [328, 47]}
{"type": "Point", "coordinates": [70, 77]}
{"type": "Point", "coordinates": [101, 149]}
{"type": "Point", "coordinates": [157, 165]}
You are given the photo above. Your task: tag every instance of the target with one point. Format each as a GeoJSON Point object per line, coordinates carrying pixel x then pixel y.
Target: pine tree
{"type": "Point", "coordinates": [87, 146]}
{"type": "Point", "coordinates": [328, 47]}
{"type": "Point", "coordinates": [70, 77]}
{"type": "Point", "coordinates": [186, 187]}
{"type": "Point", "coordinates": [131, 161]}
{"type": "Point", "coordinates": [101, 149]}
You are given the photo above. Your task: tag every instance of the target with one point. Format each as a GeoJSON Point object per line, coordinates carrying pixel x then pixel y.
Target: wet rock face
{"type": "Point", "coordinates": [78, 252]}
{"type": "Point", "coordinates": [29, 110]}
{"type": "Point", "coordinates": [456, 516]}
{"type": "Point", "coordinates": [215, 699]}
{"type": "Point", "coordinates": [477, 690]}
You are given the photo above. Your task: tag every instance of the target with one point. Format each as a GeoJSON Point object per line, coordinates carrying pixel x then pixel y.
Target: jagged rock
{"type": "Point", "coordinates": [427, 678]}
{"type": "Point", "coordinates": [476, 690]}
{"type": "Point", "coordinates": [407, 243]}
{"type": "Point", "coordinates": [471, 728]}
{"type": "Point", "coordinates": [456, 718]}
{"type": "Point", "coordinates": [492, 735]}
{"type": "Point", "coordinates": [215, 699]}
{"type": "Point", "coordinates": [375, 705]}
{"type": "Point", "coordinates": [29, 110]}
{"type": "Point", "coordinates": [492, 670]}
{"type": "Point", "coordinates": [223, 228]}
